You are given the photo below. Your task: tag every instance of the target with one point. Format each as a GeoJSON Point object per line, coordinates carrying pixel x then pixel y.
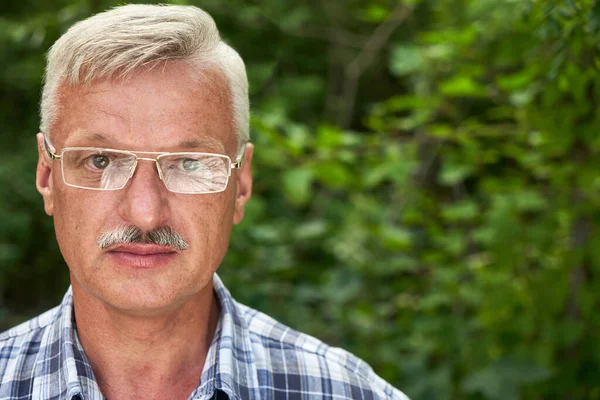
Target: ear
{"type": "Point", "coordinates": [244, 184]}
{"type": "Point", "coordinates": [43, 176]}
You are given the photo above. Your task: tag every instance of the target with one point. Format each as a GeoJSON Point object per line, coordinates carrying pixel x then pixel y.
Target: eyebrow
{"type": "Point", "coordinates": [204, 142]}
{"type": "Point", "coordinates": [209, 141]}
{"type": "Point", "coordinates": [84, 135]}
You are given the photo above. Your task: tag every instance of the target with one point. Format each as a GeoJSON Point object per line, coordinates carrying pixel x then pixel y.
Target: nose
{"type": "Point", "coordinates": [145, 200]}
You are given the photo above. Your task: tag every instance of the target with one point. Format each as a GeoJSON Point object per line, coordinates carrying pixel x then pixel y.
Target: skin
{"type": "Point", "coordinates": [146, 332]}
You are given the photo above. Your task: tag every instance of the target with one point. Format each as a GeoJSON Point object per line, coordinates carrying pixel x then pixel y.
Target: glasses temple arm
{"type": "Point", "coordinates": [48, 147]}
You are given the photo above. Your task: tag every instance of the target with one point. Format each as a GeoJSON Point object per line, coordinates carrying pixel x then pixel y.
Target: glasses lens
{"type": "Point", "coordinates": [97, 168]}
{"type": "Point", "coordinates": [195, 172]}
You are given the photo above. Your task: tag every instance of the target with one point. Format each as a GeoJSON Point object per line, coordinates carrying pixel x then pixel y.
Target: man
{"type": "Point", "coordinates": [144, 164]}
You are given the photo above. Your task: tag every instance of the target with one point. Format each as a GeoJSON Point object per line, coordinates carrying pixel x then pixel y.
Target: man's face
{"type": "Point", "coordinates": [164, 109]}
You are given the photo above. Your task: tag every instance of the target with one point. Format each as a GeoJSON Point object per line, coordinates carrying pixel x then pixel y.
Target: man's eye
{"type": "Point", "coordinates": [99, 161]}
{"type": "Point", "coordinates": [191, 165]}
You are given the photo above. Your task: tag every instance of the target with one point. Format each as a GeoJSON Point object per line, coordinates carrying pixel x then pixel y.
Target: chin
{"type": "Point", "coordinates": [142, 297]}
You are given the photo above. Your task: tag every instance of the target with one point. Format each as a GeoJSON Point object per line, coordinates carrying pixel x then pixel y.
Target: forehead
{"type": "Point", "coordinates": [153, 109]}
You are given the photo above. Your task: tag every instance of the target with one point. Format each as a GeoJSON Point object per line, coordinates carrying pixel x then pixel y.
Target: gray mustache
{"type": "Point", "coordinates": [162, 236]}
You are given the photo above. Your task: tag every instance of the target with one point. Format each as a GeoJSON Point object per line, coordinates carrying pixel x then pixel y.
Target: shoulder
{"type": "Point", "coordinates": [20, 347]}
{"type": "Point", "coordinates": [292, 361]}
{"type": "Point", "coordinates": [27, 327]}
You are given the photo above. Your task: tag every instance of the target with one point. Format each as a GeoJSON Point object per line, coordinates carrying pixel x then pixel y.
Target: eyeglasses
{"type": "Point", "coordinates": [108, 169]}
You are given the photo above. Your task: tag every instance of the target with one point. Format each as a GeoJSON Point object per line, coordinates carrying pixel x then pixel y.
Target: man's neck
{"type": "Point", "coordinates": [154, 357]}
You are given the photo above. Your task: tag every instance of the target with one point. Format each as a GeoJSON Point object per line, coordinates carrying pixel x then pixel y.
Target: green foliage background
{"type": "Point", "coordinates": [426, 184]}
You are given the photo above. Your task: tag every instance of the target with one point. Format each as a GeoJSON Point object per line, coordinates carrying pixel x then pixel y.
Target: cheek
{"type": "Point", "coordinates": [66, 207]}
{"type": "Point", "coordinates": [212, 223]}
{"type": "Point", "coordinates": [73, 211]}
{"type": "Point", "coordinates": [68, 227]}
{"type": "Point", "coordinates": [210, 219]}
{"type": "Point", "coordinates": [211, 211]}
{"type": "Point", "coordinates": [78, 220]}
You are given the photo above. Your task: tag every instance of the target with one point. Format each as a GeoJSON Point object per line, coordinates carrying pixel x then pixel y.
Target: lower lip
{"type": "Point", "coordinates": [142, 261]}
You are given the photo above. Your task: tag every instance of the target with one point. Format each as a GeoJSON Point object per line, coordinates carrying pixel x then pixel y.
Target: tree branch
{"type": "Point", "coordinates": [365, 58]}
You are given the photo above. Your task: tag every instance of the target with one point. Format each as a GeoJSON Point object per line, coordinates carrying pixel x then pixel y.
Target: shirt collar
{"type": "Point", "coordinates": [75, 377]}
{"type": "Point", "coordinates": [229, 365]}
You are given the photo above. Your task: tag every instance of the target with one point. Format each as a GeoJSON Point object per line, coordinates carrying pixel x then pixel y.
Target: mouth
{"type": "Point", "coordinates": [143, 256]}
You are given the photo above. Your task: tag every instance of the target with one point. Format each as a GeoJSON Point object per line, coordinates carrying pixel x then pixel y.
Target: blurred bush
{"type": "Point", "coordinates": [426, 184]}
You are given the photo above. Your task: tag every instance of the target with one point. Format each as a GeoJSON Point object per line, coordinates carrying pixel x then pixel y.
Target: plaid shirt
{"type": "Point", "coordinates": [251, 356]}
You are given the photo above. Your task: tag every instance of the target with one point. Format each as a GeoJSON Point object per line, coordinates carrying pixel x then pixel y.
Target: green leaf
{"type": "Point", "coordinates": [451, 174]}
{"type": "Point", "coordinates": [396, 238]}
{"type": "Point", "coordinates": [310, 230]}
{"type": "Point", "coordinates": [406, 59]}
{"type": "Point", "coordinates": [519, 80]}
{"type": "Point", "coordinates": [334, 174]}
{"type": "Point", "coordinates": [462, 86]}
{"type": "Point", "coordinates": [503, 379]}
{"type": "Point", "coordinates": [297, 184]}
{"type": "Point", "coordinates": [462, 211]}
{"type": "Point", "coordinates": [528, 200]}
{"type": "Point", "coordinates": [376, 13]}
{"type": "Point", "coordinates": [329, 137]}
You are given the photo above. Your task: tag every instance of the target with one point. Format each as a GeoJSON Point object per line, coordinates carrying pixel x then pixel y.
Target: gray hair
{"type": "Point", "coordinates": [162, 236]}
{"type": "Point", "coordinates": [124, 38]}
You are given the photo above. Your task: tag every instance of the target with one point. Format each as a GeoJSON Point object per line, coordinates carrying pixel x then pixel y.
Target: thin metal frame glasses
{"type": "Point", "coordinates": [95, 168]}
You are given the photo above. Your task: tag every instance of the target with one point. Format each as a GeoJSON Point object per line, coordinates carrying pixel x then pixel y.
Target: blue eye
{"type": "Point", "coordinates": [191, 165]}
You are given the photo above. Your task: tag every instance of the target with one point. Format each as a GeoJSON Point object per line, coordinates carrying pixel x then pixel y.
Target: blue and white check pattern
{"type": "Point", "coordinates": [252, 356]}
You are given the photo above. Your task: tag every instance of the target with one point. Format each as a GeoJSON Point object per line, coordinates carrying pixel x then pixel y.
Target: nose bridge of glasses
{"type": "Point", "coordinates": [155, 160]}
